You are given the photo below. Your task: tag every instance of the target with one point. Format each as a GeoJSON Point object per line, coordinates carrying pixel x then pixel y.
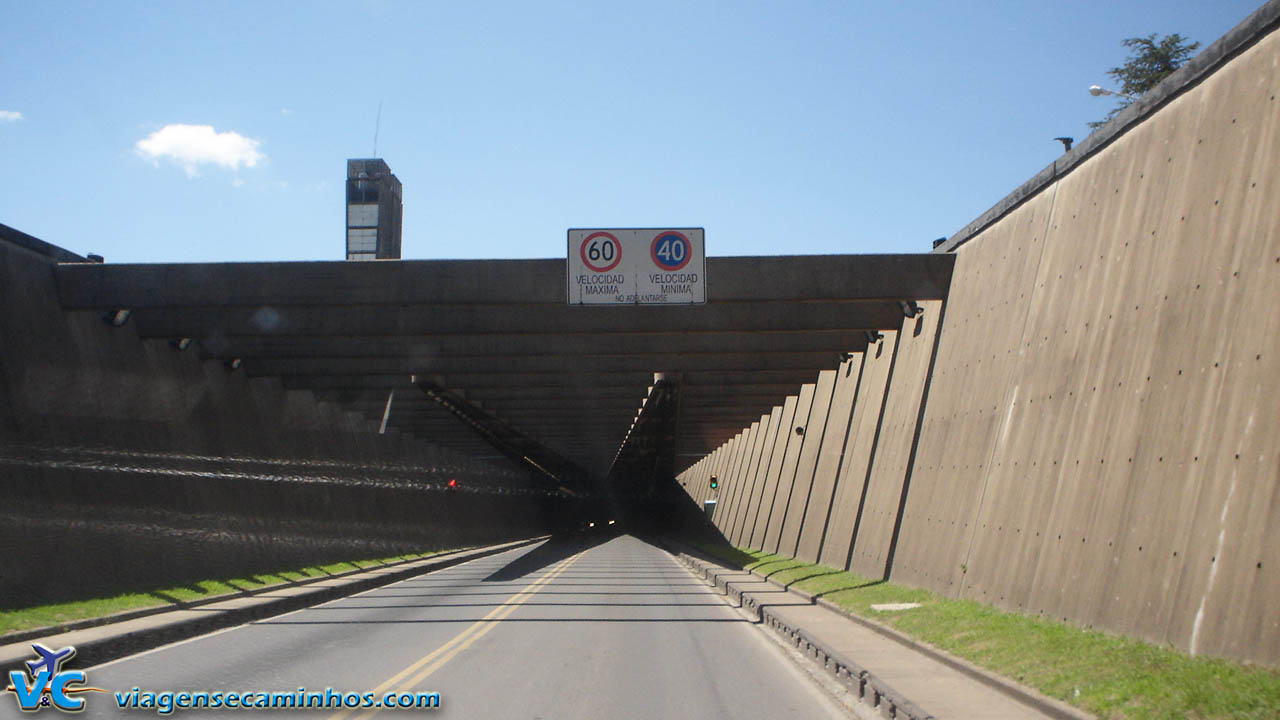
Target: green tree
{"type": "Point", "coordinates": [1150, 61]}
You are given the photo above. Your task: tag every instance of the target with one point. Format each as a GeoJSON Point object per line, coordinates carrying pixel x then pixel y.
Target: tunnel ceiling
{"type": "Point", "coordinates": [500, 335]}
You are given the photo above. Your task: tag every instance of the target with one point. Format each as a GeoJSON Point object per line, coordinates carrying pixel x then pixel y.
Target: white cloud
{"type": "Point", "coordinates": [193, 145]}
{"type": "Point", "coordinates": [10, 116]}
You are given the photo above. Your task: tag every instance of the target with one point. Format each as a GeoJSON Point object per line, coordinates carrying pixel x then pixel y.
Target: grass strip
{"type": "Point", "coordinates": [1104, 674]}
{"type": "Point", "coordinates": [62, 613]}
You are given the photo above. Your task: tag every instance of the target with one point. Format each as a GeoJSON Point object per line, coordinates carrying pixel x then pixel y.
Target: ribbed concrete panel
{"type": "Point", "coordinates": [736, 482]}
{"type": "Point", "coordinates": [787, 472]}
{"type": "Point", "coordinates": [737, 493]}
{"type": "Point", "coordinates": [733, 450]}
{"type": "Point", "coordinates": [814, 432]}
{"type": "Point", "coordinates": [722, 494]}
{"type": "Point", "coordinates": [717, 467]}
{"type": "Point", "coordinates": [724, 456]}
{"type": "Point", "coordinates": [700, 482]}
{"type": "Point", "coordinates": [719, 458]}
{"type": "Point", "coordinates": [702, 491]}
{"type": "Point", "coordinates": [769, 488]}
{"type": "Point", "coordinates": [970, 396]}
{"type": "Point", "coordinates": [750, 473]}
{"type": "Point", "coordinates": [859, 453]}
{"type": "Point", "coordinates": [822, 495]}
{"type": "Point", "coordinates": [886, 489]}
{"type": "Point", "coordinates": [696, 491]}
{"type": "Point", "coordinates": [699, 489]}
{"type": "Point", "coordinates": [747, 523]}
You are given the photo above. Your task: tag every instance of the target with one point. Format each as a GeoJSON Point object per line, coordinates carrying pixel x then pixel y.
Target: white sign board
{"type": "Point", "coordinates": [637, 267]}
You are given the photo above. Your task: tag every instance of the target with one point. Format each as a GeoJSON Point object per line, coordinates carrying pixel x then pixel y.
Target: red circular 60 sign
{"type": "Point", "coordinates": [601, 251]}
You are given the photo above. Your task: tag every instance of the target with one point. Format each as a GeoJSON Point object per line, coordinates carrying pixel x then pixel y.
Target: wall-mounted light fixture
{"type": "Point", "coordinates": [234, 363]}
{"type": "Point", "coordinates": [180, 344]}
{"type": "Point", "coordinates": [910, 308]}
{"type": "Point", "coordinates": [116, 318]}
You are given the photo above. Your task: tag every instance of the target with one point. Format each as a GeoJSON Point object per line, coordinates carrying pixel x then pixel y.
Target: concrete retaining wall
{"type": "Point", "coordinates": [1099, 438]}
{"type": "Point", "coordinates": [125, 464]}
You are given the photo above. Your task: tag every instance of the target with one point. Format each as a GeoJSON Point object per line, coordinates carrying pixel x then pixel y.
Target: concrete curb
{"type": "Point", "coordinates": [860, 682]}
{"type": "Point", "coordinates": [97, 642]}
{"type": "Point", "coordinates": [1026, 695]}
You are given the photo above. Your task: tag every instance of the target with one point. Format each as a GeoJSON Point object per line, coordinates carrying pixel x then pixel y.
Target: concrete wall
{"type": "Point", "coordinates": [125, 464]}
{"type": "Point", "coordinates": [858, 453]}
{"type": "Point", "coordinates": [757, 471]}
{"type": "Point", "coordinates": [1094, 433]}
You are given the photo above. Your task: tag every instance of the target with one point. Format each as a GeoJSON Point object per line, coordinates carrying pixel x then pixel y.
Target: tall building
{"type": "Point", "coordinates": [374, 210]}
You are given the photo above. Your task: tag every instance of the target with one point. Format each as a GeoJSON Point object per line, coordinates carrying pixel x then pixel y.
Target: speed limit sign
{"type": "Point", "coordinates": [600, 252]}
{"type": "Point", "coordinates": [670, 250]}
{"type": "Point", "coordinates": [649, 266]}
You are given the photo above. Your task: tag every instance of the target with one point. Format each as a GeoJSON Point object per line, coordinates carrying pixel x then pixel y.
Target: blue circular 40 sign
{"type": "Point", "coordinates": [670, 250]}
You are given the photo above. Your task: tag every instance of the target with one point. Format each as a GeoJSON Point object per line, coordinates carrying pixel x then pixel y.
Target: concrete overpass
{"type": "Point", "coordinates": [498, 337]}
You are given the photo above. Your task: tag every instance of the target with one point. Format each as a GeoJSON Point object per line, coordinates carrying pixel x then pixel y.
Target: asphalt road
{"type": "Point", "coordinates": [585, 628]}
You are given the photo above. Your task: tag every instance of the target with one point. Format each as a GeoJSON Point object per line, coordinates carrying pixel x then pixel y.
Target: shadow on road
{"type": "Point", "coordinates": [548, 553]}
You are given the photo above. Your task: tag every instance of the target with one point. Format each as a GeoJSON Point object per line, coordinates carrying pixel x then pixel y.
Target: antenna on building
{"type": "Point", "coordinates": [377, 124]}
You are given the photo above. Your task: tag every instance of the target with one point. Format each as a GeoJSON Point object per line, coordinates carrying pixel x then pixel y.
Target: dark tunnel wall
{"type": "Point", "coordinates": [127, 464]}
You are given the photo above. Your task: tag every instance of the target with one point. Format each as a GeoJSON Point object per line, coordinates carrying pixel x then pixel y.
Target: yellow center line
{"type": "Point", "coordinates": [489, 625]}
{"type": "Point", "coordinates": [443, 654]}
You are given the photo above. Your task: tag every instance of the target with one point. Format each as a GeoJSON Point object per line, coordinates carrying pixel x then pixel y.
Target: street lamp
{"type": "Point", "coordinates": [1098, 91]}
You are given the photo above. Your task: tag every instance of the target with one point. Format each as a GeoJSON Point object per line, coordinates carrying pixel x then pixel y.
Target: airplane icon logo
{"type": "Point", "coordinates": [50, 660]}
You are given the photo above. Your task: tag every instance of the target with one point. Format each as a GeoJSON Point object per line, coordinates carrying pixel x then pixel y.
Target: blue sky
{"type": "Point", "coordinates": [782, 128]}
